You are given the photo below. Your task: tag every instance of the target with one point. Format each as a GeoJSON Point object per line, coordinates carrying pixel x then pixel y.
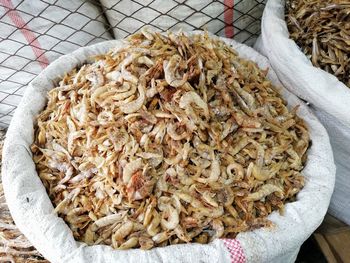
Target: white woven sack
{"type": "Point", "coordinates": [34, 33]}
{"type": "Point", "coordinates": [32, 210]}
{"type": "Point", "coordinates": [329, 98]}
{"type": "Point", "coordinates": [340, 141]}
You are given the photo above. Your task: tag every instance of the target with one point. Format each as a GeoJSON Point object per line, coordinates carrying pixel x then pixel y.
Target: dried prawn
{"type": "Point", "coordinates": [168, 140]}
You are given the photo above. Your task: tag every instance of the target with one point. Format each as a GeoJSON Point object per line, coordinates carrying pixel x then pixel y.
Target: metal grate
{"type": "Point", "coordinates": [34, 33]}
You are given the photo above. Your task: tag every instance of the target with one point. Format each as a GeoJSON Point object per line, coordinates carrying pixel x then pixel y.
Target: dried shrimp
{"type": "Point", "coordinates": [170, 139]}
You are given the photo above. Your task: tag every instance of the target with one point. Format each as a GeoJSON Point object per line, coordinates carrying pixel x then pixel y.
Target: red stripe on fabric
{"type": "Point", "coordinates": [228, 17]}
{"type": "Point", "coordinates": [26, 32]}
{"type": "Point", "coordinates": [235, 250]}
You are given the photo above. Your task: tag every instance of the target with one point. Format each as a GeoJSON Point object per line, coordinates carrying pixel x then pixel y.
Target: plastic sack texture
{"type": "Point", "coordinates": [32, 210]}
{"type": "Point", "coordinates": [329, 98]}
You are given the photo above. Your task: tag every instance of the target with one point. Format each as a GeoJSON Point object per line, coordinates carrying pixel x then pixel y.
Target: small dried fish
{"type": "Point", "coordinates": [321, 28]}
{"type": "Point", "coordinates": [171, 139]}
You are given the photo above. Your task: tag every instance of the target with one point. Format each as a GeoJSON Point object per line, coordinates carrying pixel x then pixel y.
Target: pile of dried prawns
{"type": "Point", "coordinates": [322, 29]}
{"type": "Point", "coordinates": [168, 140]}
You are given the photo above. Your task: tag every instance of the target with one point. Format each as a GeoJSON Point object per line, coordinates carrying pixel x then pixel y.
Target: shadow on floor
{"type": "Point", "coordinates": [310, 252]}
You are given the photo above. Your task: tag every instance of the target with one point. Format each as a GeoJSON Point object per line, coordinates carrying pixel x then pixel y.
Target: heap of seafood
{"type": "Point", "coordinates": [168, 140]}
{"type": "Point", "coordinates": [322, 29]}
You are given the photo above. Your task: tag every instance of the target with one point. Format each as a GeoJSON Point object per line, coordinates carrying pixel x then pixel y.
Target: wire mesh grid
{"type": "Point", "coordinates": [36, 32]}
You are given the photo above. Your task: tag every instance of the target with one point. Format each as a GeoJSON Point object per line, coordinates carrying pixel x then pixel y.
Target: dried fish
{"type": "Point", "coordinates": [321, 28]}
{"type": "Point", "coordinates": [171, 139]}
